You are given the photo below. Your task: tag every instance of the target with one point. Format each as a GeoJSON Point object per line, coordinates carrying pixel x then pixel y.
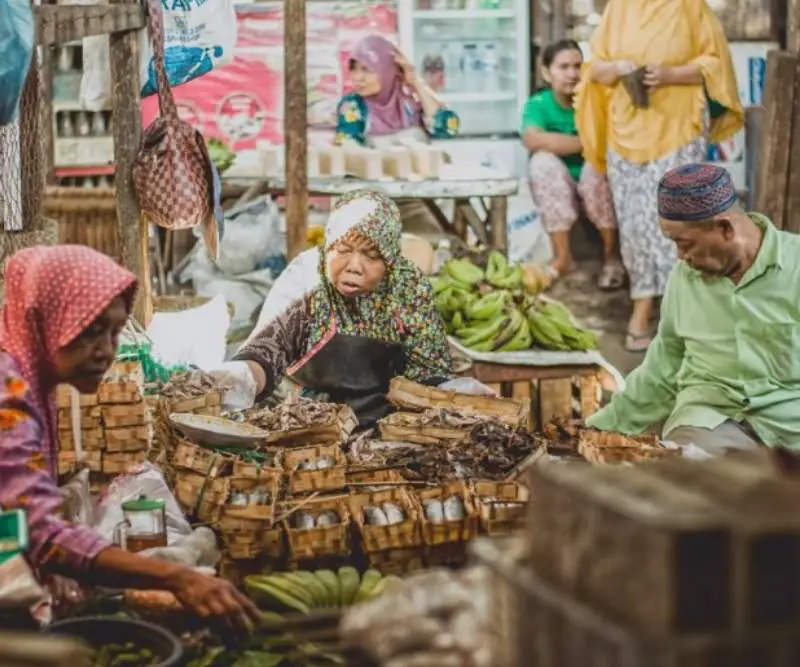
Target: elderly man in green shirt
{"type": "Point", "coordinates": [724, 369]}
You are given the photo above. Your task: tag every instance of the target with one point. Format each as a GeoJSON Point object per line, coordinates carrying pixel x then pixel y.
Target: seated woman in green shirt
{"type": "Point", "coordinates": [562, 184]}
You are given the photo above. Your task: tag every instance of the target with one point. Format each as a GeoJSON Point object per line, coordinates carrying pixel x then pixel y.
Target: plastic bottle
{"type": "Point", "coordinates": [491, 68]}
{"type": "Point", "coordinates": [442, 254]}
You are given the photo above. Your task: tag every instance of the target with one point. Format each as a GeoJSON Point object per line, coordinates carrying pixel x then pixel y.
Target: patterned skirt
{"type": "Point", "coordinates": [648, 255]}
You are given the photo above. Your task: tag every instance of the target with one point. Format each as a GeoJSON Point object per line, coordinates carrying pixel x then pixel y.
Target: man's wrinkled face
{"type": "Point", "coordinates": [710, 247]}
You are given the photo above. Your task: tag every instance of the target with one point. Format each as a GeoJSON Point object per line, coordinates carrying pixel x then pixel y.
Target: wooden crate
{"type": "Point", "coordinates": [309, 481]}
{"type": "Point", "coordinates": [408, 427]}
{"type": "Point", "coordinates": [566, 392]}
{"type": "Point", "coordinates": [449, 532]}
{"type": "Point", "coordinates": [539, 625]}
{"type": "Point", "coordinates": [322, 542]}
{"type": "Point", "coordinates": [333, 432]}
{"type": "Point", "coordinates": [638, 548]}
{"type": "Point", "coordinates": [404, 535]}
{"type": "Point", "coordinates": [510, 514]}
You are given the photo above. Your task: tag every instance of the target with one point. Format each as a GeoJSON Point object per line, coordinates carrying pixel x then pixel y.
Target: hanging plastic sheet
{"type": "Point", "coordinates": [16, 48]}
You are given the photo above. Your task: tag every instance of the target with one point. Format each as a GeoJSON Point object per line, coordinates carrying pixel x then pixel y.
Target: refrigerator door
{"type": "Point", "coordinates": [474, 55]}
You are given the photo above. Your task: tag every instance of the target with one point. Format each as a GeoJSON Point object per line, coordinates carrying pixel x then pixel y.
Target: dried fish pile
{"type": "Point", "coordinates": [189, 384]}
{"type": "Point", "coordinates": [292, 415]}
{"type": "Point", "coordinates": [442, 417]}
{"type": "Point", "coordinates": [491, 450]}
{"type": "Point", "coordinates": [437, 617]}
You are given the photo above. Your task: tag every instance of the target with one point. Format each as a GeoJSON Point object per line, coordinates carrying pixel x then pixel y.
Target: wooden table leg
{"type": "Point", "coordinates": [473, 219]}
{"type": "Point", "coordinates": [447, 226]}
{"type": "Point", "coordinates": [459, 221]}
{"type": "Point", "coordinates": [498, 220]}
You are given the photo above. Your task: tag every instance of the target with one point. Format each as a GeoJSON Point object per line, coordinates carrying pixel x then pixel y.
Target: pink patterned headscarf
{"type": "Point", "coordinates": [53, 293]}
{"type": "Point", "coordinates": [388, 110]}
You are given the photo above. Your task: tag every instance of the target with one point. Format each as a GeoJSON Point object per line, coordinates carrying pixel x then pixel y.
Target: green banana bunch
{"type": "Point", "coordinates": [522, 339]}
{"type": "Point", "coordinates": [496, 266]}
{"type": "Point", "coordinates": [487, 307]}
{"type": "Point", "coordinates": [463, 272]}
{"type": "Point", "coordinates": [472, 336]}
{"type": "Point", "coordinates": [516, 321]}
{"type": "Point", "coordinates": [458, 320]}
{"type": "Point", "coordinates": [511, 279]}
{"type": "Point", "coordinates": [303, 591]}
{"type": "Point", "coordinates": [575, 338]}
{"type": "Point", "coordinates": [544, 331]}
{"type": "Point", "coordinates": [438, 283]}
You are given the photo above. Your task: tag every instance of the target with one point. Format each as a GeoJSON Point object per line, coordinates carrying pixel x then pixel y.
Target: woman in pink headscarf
{"type": "Point", "coordinates": [389, 98]}
{"type": "Point", "coordinates": [65, 307]}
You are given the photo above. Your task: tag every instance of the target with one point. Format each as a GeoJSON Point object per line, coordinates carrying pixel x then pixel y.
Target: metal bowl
{"type": "Point", "coordinates": [216, 431]}
{"type": "Point", "coordinates": [99, 631]}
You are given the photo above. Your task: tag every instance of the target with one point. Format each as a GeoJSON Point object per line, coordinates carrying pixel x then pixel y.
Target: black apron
{"type": "Point", "coordinates": [356, 371]}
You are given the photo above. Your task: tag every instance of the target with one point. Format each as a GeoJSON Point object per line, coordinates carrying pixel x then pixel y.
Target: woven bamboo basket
{"type": "Point", "coordinates": [404, 535]}
{"type": "Point", "coordinates": [67, 463]}
{"type": "Point", "coordinates": [449, 532]}
{"type": "Point", "coordinates": [119, 392]}
{"type": "Point", "coordinates": [122, 463]}
{"type": "Point", "coordinates": [263, 511]}
{"type": "Point", "coordinates": [248, 545]}
{"type": "Point", "coordinates": [333, 432]}
{"type": "Point", "coordinates": [327, 541]}
{"type": "Point", "coordinates": [165, 435]}
{"type": "Point", "coordinates": [366, 476]}
{"type": "Point", "coordinates": [85, 216]}
{"type": "Point", "coordinates": [201, 460]}
{"type": "Point", "coordinates": [251, 470]}
{"type": "Point", "coordinates": [509, 513]}
{"type": "Point", "coordinates": [199, 495]}
{"type": "Point", "coordinates": [93, 460]}
{"type": "Point", "coordinates": [408, 427]}
{"type": "Point", "coordinates": [128, 439]}
{"type": "Point", "coordinates": [309, 481]}
{"type": "Point", "coordinates": [396, 561]}
{"type": "Point", "coordinates": [91, 439]}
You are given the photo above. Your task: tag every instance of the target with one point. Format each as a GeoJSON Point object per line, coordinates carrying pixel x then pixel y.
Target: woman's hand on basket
{"type": "Point", "coordinates": [215, 598]}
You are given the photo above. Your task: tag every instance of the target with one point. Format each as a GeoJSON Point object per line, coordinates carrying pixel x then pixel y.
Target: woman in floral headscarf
{"type": "Point", "coordinates": [65, 307]}
{"type": "Point", "coordinates": [365, 316]}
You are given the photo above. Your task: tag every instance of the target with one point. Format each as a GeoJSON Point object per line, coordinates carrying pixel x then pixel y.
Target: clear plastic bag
{"type": "Point", "coordinates": [467, 386]}
{"type": "Point", "coordinates": [148, 481]}
{"type": "Point", "coordinates": [16, 48]}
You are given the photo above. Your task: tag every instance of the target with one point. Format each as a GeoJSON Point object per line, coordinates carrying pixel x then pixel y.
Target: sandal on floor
{"type": "Point", "coordinates": [612, 277]}
{"type": "Point", "coordinates": [553, 274]}
{"type": "Point", "coordinates": [637, 342]}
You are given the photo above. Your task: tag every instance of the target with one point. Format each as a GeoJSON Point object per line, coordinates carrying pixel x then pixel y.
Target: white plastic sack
{"type": "Point", "coordinates": [198, 37]}
{"type": "Point", "coordinates": [467, 386]}
{"type": "Point", "coordinates": [527, 240]}
{"type": "Point", "coordinates": [148, 481]}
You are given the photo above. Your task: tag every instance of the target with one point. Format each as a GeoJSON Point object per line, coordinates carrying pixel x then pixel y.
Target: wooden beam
{"type": "Point", "coordinates": [57, 24]}
{"type": "Point", "coordinates": [773, 171]}
{"type": "Point", "coordinates": [295, 121]}
{"type": "Point", "coordinates": [793, 26]}
{"type": "Point", "coordinates": [131, 229]}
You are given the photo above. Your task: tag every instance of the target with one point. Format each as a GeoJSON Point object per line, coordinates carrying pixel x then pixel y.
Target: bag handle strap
{"type": "Point", "coordinates": [155, 26]}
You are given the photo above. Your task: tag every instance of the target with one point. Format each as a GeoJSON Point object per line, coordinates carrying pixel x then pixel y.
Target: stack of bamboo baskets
{"type": "Point", "coordinates": [108, 432]}
{"type": "Point", "coordinates": [676, 563]}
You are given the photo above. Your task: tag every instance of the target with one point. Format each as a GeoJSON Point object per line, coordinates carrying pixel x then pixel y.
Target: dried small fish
{"type": "Point", "coordinates": [327, 518]}
{"type": "Point", "coordinates": [394, 513]}
{"type": "Point", "coordinates": [293, 415]}
{"type": "Point", "coordinates": [434, 510]}
{"type": "Point", "coordinates": [189, 384]}
{"type": "Point", "coordinates": [325, 462]}
{"type": "Point", "coordinates": [303, 520]}
{"type": "Point", "coordinates": [376, 516]}
{"type": "Point", "coordinates": [454, 509]}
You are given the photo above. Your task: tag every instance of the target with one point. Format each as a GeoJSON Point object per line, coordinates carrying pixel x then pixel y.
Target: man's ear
{"type": "Point", "coordinates": [725, 224]}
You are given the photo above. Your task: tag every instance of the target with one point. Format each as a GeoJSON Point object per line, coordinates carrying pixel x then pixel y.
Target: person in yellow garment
{"type": "Point", "coordinates": [692, 99]}
{"type": "Point", "coordinates": [724, 368]}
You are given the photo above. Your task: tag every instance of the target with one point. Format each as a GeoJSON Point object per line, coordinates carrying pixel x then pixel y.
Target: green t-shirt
{"type": "Point", "coordinates": [545, 112]}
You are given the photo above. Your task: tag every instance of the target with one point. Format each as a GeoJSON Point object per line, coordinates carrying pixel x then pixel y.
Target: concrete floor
{"type": "Point", "coordinates": [602, 311]}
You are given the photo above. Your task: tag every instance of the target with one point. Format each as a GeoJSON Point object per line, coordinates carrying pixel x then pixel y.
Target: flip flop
{"type": "Point", "coordinates": [612, 277]}
{"type": "Point", "coordinates": [637, 342]}
{"type": "Point", "coordinates": [553, 274]}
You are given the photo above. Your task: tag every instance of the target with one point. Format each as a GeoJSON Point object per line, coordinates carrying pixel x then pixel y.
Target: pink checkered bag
{"type": "Point", "coordinates": [172, 173]}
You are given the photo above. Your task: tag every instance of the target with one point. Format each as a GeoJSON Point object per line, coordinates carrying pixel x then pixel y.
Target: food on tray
{"type": "Point", "coordinates": [497, 309]}
{"type": "Point", "coordinates": [302, 591]}
{"type": "Point", "coordinates": [291, 415]}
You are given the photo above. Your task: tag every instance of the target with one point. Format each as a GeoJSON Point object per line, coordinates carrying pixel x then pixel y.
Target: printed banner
{"type": "Point", "coordinates": [242, 103]}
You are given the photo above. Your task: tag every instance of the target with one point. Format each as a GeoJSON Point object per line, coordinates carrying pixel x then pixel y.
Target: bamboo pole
{"type": "Point", "coordinates": [295, 120]}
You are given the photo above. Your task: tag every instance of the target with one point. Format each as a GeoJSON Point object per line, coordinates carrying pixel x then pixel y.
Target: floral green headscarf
{"type": "Point", "coordinates": [401, 307]}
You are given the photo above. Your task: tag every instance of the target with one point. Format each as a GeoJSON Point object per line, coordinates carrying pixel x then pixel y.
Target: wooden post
{"type": "Point", "coordinates": [132, 229]}
{"type": "Point", "coordinates": [498, 219]}
{"type": "Point", "coordinates": [773, 176]}
{"type": "Point", "coordinates": [295, 120]}
{"type": "Point", "coordinates": [793, 26]}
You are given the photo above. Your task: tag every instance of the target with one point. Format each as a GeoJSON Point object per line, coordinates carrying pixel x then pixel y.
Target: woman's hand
{"type": "Point", "coordinates": [65, 592]}
{"type": "Point", "coordinates": [212, 597]}
{"type": "Point", "coordinates": [624, 67]}
{"type": "Point", "coordinates": [408, 70]}
{"type": "Point", "coordinates": [656, 76]}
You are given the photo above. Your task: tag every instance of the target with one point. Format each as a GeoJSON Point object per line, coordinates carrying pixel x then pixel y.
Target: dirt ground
{"type": "Point", "coordinates": [602, 311]}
